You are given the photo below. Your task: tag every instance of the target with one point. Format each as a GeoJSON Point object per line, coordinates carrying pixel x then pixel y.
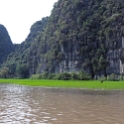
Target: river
{"type": "Point", "coordinates": [38, 105]}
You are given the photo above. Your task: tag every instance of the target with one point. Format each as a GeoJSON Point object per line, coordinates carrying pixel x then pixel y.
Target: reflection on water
{"type": "Point", "coordinates": [36, 105]}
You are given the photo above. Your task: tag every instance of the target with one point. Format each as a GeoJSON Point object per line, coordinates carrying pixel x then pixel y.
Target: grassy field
{"type": "Point", "coordinates": [92, 84]}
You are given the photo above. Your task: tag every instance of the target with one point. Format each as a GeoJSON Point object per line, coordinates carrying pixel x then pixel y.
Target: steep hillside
{"type": "Point", "coordinates": [80, 35]}
{"type": "Point", "coordinates": [6, 45]}
{"type": "Point", "coordinates": [23, 61]}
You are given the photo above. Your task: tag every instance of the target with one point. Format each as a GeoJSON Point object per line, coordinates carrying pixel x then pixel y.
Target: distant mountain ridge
{"type": "Point", "coordinates": [6, 45]}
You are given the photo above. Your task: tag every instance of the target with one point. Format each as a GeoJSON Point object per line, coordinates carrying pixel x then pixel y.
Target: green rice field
{"type": "Point", "coordinates": [90, 84]}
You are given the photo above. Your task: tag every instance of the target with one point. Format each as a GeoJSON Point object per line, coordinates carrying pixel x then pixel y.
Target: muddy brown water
{"type": "Point", "coordinates": [38, 105]}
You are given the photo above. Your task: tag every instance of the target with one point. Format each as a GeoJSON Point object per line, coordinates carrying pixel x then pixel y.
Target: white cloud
{"type": "Point", "coordinates": [18, 15]}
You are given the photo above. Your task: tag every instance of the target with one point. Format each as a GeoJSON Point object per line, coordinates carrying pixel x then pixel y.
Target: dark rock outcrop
{"type": "Point", "coordinates": [6, 45]}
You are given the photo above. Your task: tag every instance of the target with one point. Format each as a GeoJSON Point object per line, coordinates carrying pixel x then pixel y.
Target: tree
{"type": "Point", "coordinates": [4, 72]}
{"type": "Point", "coordinates": [22, 71]}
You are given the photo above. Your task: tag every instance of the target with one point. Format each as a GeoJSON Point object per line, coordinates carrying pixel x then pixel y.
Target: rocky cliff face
{"type": "Point", "coordinates": [36, 29]}
{"type": "Point", "coordinates": [85, 35]}
{"type": "Point", "coordinates": [80, 35]}
{"type": "Point", "coordinates": [6, 45]}
{"type": "Point", "coordinates": [115, 58]}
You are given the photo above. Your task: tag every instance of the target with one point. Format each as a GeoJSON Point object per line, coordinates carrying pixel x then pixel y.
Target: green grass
{"type": "Point", "coordinates": [92, 84]}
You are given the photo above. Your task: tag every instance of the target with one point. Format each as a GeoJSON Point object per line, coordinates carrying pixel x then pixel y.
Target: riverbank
{"type": "Point", "coordinates": [90, 84]}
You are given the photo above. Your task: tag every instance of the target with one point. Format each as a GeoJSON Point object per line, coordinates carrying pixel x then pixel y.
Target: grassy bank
{"type": "Point", "coordinates": [94, 84]}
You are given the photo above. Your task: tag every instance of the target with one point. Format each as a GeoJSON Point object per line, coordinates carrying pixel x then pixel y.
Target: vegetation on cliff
{"type": "Point", "coordinates": [6, 45]}
{"type": "Point", "coordinates": [76, 37]}
{"type": "Point", "coordinates": [23, 61]}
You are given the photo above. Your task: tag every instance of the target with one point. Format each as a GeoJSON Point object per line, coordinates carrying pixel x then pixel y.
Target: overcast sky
{"type": "Point", "coordinates": [18, 15]}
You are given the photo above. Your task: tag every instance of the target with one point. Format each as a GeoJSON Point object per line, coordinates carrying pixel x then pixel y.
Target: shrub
{"type": "Point", "coordinates": [44, 75]}
{"type": "Point", "coordinates": [121, 77]}
{"type": "Point", "coordinates": [84, 76]}
{"type": "Point", "coordinates": [102, 78]}
{"type": "Point", "coordinates": [63, 76]}
{"type": "Point", "coordinates": [112, 77]}
{"type": "Point", "coordinates": [35, 76]}
{"type": "Point", "coordinates": [51, 76]}
{"type": "Point", "coordinates": [74, 76]}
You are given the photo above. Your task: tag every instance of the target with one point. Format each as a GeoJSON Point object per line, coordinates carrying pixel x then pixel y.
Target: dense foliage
{"type": "Point", "coordinates": [78, 30]}
{"type": "Point", "coordinates": [62, 76]}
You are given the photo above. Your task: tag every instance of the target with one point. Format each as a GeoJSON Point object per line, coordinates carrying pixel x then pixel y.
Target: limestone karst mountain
{"type": "Point", "coordinates": [79, 35]}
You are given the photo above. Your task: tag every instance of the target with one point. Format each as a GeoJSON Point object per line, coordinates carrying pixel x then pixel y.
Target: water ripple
{"type": "Point", "coordinates": [36, 105]}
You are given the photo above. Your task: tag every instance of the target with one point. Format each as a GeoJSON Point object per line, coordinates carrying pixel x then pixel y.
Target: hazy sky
{"type": "Point", "coordinates": [18, 15]}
